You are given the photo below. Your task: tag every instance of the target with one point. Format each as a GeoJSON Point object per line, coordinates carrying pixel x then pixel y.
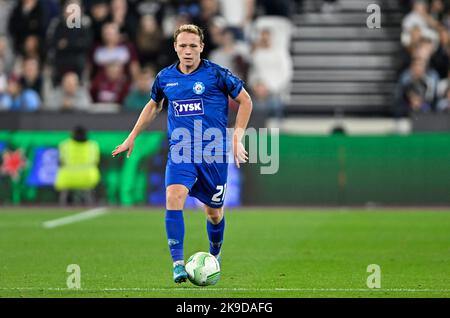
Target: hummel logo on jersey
{"type": "Point", "coordinates": [172, 84]}
{"type": "Point", "coordinates": [188, 107]}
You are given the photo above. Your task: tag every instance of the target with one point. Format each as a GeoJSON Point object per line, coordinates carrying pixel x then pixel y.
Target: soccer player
{"type": "Point", "coordinates": [197, 92]}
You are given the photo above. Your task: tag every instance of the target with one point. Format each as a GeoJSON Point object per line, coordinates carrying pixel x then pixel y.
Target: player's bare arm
{"type": "Point", "coordinates": [148, 114]}
{"type": "Point", "coordinates": [242, 118]}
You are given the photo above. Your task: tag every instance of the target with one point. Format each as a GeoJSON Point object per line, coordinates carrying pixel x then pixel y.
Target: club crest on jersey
{"type": "Point", "coordinates": [198, 88]}
{"type": "Point", "coordinates": [188, 107]}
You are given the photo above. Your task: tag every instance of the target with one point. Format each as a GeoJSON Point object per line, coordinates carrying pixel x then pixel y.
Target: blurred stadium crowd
{"type": "Point", "coordinates": [110, 62]}
{"type": "Point", "coordinates": [424, 74]}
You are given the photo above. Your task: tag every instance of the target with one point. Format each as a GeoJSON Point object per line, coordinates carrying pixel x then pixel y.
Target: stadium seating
{"type": "Point", "coordinates": [342, 66]}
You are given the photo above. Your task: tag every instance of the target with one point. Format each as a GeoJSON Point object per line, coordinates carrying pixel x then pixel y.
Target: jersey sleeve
{"type": "Point", "coordinates": [157, 93]}
{"type": "Point", "coordinates": [230, 83]}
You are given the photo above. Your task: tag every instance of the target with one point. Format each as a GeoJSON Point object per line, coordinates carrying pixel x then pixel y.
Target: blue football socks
{"type": "Point", "coordinates": [215, 234]}
{"type": "Point", "coordinates": [175, 234]}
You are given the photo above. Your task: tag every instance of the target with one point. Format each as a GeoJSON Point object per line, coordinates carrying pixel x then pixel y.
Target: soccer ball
{"type": "Point", "coordinates": [203, 269]}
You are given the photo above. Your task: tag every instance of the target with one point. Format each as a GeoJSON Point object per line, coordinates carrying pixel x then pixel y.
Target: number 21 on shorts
{"type": "Point", "coordinates": [220, 195]}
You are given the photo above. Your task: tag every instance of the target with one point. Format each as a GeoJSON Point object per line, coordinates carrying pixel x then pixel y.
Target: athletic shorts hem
{"type": "Point", "coordinates": [208, 203]}
{"type": "Point", "coordinates": [172, 183]}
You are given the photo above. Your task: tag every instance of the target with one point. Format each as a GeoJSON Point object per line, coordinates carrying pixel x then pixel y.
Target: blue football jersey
{"type": "Point", "coordinates": [196, 101]}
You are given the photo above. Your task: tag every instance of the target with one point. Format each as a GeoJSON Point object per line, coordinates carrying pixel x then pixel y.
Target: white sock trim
{"type": "Point", "coordinates": [180, 262]}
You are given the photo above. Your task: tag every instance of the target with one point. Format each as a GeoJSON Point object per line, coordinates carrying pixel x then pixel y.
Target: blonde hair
{"type": "Point", "coordinates": [189, 28]}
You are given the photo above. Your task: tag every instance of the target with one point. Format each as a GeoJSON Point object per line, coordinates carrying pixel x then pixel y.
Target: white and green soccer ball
{"type": "Point", "coordinates": [203, 269]}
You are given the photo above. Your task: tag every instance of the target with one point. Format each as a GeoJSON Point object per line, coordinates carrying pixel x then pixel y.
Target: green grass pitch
{"type": "Point", "coordinates": [266, 253]}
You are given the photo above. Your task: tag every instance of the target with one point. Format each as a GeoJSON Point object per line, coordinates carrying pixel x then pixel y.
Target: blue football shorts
{"type": "Point", "coordinates": [206, 181]}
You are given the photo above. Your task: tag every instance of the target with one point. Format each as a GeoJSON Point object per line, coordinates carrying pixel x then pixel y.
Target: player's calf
{"type": "Point", "coordinates": [215, 226]}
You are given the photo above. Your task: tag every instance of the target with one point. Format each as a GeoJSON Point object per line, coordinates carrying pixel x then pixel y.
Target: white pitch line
{"type": "Point", "coordinates": [408, 290]}
{"type": "Point", "coordinates": [82, 216]}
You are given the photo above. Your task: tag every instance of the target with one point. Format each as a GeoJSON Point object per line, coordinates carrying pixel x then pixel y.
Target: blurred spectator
{"type": "Point", "coordinates": [115, 50]}
{"type": "Point", "coordinates": [3, 79]}
{"type": "Point", "coordinates": [34, 48]}
{"type": "Point", "coordinates": [280, 29]}
{"type": "Point", "coordinates": [418, 36]}
{"type": "Point", "coordinates": [18, 99]}
{"type": "Point", "coordinates": [70, 96]}
{"type": "Point", "coordinates": [264, 101]}
{"type": "Point", "coordinates": [151, 7]}
{"type": "Point", "coordinates": [411, 42]}
{"type": "Point", "coordinates": [444, 85]}
{"type": "Point", "coordinates": [420, 17]}
{"type": "Point", "coordinates": [437, 9]}
{"type": "Point", "coordinates": [209, 9]}
{"type": "Point", "coordinates": [420, 80]}
{"type": "Point", "coordinates": [168, 55]}
{"type": "Point", "coordinates": [415, 96]}
{"type": "Point", "coordinates": [53, 9]}
{"type": "Point", "coordinates": [276, 76]}
{"type": "Point", "coordinates": [239, 15]}
{"type": "Point", "coordinates": [440, 60]}
{"type": "Point", "coordinates": [99, 13]}
{"type": "Point", "coordinates": [78, 171]}
{"type": "Point", "coordinates": [31, 75]}
{"type": "Point", "coordinates": [140, 94]}
{"type": "Point", "coordinates": [231, 54]}
{"type": "Point", "coordinates": [6, 7]}
{"type": "Point", "coordinates": [216, 27]}
{"type": "Point", "coordinates": [446, 19]}
{"type": "Point", "coordinates": [423, 49]}
{"type": "Point", "coordinates": [27, 20]}
{"type": "Point", "coordinates": [110, 85]}
{"type": "Point", "coordinates": [149, 39]}
{"type": "Point", "coordinates": [68, 46]}
{"type": "Point", "coordinates": [412, 37]}
{"type": "Point", "coordinates": [190, 7]}
{"type": "Point", "coordinates": [6, 54]}
{"type": "Point", "coordinates": [443, 104]}
{"type": "Point", "coordinates": [124, 18]}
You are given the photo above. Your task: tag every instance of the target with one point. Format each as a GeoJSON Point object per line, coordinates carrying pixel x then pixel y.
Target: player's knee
{"type": "Point", "coordinates": [215, 215]}
{"type": "Point", "coordinates": [175, 197]}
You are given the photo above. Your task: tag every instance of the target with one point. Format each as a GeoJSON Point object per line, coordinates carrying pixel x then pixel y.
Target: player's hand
{"type": "Point", "coordinates": [240, 154]}
{"type": "Point", "coordinates": [128, 144]}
